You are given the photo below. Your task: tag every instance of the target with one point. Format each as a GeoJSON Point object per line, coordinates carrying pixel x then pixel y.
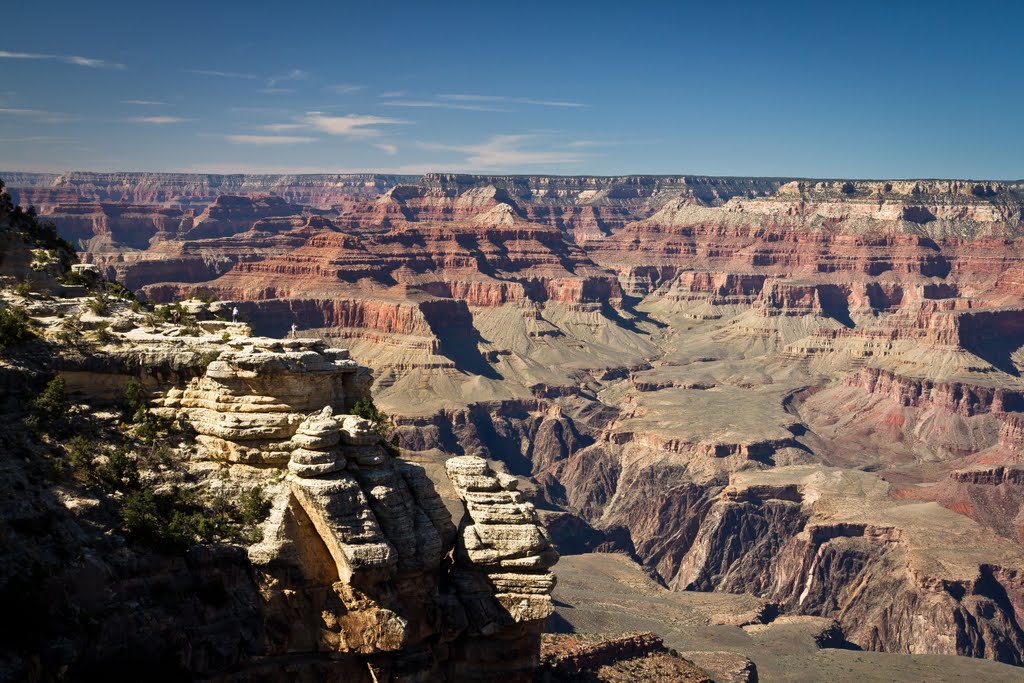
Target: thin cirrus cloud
{"type": "Point", "coordinates": [293, 75]}
{"type": "Point", "coordinates": [76, 60]}
{"type": "Point", "coordinates": [145, 103]}
{"type": "Point", "coordinates": [282, 127]}
{"type": "Point", "coordinates": [494, 103]}
{"type": "Point", "coordinates": [431, 104]}
{"type": "Point", "coordinates": [157, 120]}
{"type": "Point", "coordinates": [221, 74]}
{"type": "Point", "coordinates": [506, 151]}
{"type": "Point", "coordinates": [37, 115]}
{"type": "Point", "coordinates": [268, 139]}
{"type": "Point", "coordinates": [343, 88]}
{"type": "Point", "coordinates": [511, 100]}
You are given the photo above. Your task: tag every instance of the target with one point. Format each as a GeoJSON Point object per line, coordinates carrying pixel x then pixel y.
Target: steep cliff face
{"type": "Point", "coordinates": [817, 557]}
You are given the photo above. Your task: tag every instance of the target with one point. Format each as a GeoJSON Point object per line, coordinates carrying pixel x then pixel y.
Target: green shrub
{"type": "Point", "coordinates": [207, 357]}
{"type": "Point", "coordinates": [99, 304]}
{"type": "Point", "coordinates": [134, 396]}
{"type": "Point", "coordinates": [52, 402]}
{"type": "Point", "coordinates": [382, 423]}
{"type": "Point", "coordinates": [15, 327]}
{"type": "Point", "coordinates": [254, 507]}
{"type": "Point", "coordinates": [149, 427]}
{"type": "Point", "coordinates": [73, 278]}
{"type": "Point", "coordinates": [83, 465]}
{"type": "Point", "coordinates": [23, 289]}
{"type": "Point", "coordinates": [118, 291]}
{"type": "Point", "coordinates": [159, 454]}
{"type": "Point", "coordinates": [120, 472]}
{"type": "Point", "coordinates": [103, 334]}
{"type": "Point", "coordinates": [176, 519]}
{"type": "Point", "coordinates": [81, 452]}
{"type": "Point", "coordinates": [140, 515]}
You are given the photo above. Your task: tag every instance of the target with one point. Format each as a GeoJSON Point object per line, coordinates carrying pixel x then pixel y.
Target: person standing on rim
{"type": "Point", "coordinates": [234, 314]}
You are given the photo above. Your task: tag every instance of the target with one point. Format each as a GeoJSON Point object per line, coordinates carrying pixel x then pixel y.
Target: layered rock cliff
{"type": "Point", "coordinates": [708, 375]}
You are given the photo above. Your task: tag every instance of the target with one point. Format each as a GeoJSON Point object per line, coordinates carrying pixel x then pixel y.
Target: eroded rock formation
{"type": "Point", "coordinates": [696, 372]}
{"type": "Point", "coordinates": [353, 576]}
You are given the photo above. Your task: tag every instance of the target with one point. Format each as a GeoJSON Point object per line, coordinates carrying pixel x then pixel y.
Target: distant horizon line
{"type": "Point", "coordinates": [786, 178]}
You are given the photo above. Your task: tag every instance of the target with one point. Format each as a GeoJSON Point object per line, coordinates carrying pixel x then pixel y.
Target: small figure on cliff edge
{"type": "Point", "coordinates": [234, 314]}
{"type": "Point", "coordinates": [295, 331]}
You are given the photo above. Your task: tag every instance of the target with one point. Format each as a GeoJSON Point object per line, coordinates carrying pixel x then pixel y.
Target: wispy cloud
{"type": "Point", "coordinates": [35, 139]}
{"type": "Point", "coordinates": [37, 114]}
{"type": "Point", "coordinates": [275, 91]}
{"type": "Point", "coordinates": [393, 93]}
{"type": "Point", "coordinates": [387, 148]}
{"type": "Point", "coordinates": [145, 103]}
{"type": "Point", "coordinates": [507, 151]}
{"type": "Point", "coordinates": [21, 112]}
{"type": "Point", "coordinates": [350, 126]}
{"type": "Point", "coordinates": [581, 144]}
{"type": "Point", "coordinates": [259, 110]}
{"type": "Point", "coordinates": [431, 104]}
{"type": "Point", "coordinates": [343, 88]}
{"type": "Point", "coordinates": [268, 139]}
{"type": "Point", "coordinates": [293, 75]}
{"type": "Point", "coordinates": [221, 74]}
{"type": "Point", "coordinates": [77, 60]}
{"type": "Point", "coordinates": [92, 63]}
{"type": "Point", "coordinates": [495, 103]}
{"type": "Point", "coordinates": [157, 120]}
{"type": "Point", "coordinates": [282, 127]}
{"type": "Point", "coordinates": [511, 100]}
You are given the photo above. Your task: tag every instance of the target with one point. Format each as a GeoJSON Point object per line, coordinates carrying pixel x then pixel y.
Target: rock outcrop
{"type": "Point", "coordinates": [352, 576]}
{"type": "Point", "coordinates": [627, 657]}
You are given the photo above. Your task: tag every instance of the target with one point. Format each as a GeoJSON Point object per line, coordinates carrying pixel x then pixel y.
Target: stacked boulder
{"type": "Point", "coordinates": [249, 403]}
{"type": "Point", "coordinates": [360, 557]}
{"type": "Point", "coordinates": [378, 517]}
{"type": "Point", "coordinates": [503, 554]}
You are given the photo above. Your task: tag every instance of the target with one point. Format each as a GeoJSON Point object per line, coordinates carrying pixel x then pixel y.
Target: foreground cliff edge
{"type": "Point", "coordinates": [355, 570]}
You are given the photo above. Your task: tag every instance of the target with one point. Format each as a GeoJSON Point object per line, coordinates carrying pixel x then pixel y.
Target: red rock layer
{"type": "Point", "coordinates": [959, 398]}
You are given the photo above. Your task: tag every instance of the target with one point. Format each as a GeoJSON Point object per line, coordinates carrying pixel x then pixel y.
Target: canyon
{"type": "Point", "coordinates": [783, 406]}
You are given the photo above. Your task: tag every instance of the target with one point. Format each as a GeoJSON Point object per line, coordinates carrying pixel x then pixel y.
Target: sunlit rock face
{"type": "Point", "coordinates": [357, 543]}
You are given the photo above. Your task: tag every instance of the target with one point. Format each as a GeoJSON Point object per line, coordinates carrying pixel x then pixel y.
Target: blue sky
{"type": "Point", "coordinates": [821, 89]}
